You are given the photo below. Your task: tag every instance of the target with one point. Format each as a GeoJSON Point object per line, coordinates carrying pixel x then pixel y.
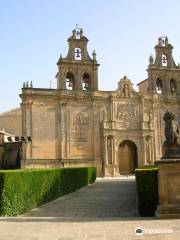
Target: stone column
{"type": "Point", "coordinates": [142, 110]}
{"type": "Point", "coordinates": [78, 79]}
{"type": "Point", "coordinates": [105, 156]}
{"type": "Point", "coordinates": [105, 151]}
{"type": "Point", "coordinates": [145, 150]}
{"type": "Point", "coordinates": [94, 78]}
{"type": "Point", "coordinates": [112, 155]}
{"type": "Point", "coordinates": [151, 150]}
{"type": "Point", "coordinates": [61, 79]}
{"type": "Point", "coordinates": [148, 139]}
{"type": "Point", "coordinates": [23, 153]}
{"type": "Point", "coordinates": [63, 129]}
{"type": "Point", "coordinates": [28, 129]}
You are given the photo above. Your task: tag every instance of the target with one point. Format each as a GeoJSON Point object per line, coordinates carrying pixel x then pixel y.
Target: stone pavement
{"type": "Point", "coordinates": [104, 210]}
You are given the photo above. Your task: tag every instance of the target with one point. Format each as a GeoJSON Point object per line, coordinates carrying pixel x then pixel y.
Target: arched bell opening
{"type": "Point", "coordinates": [159, 86]}
{"type": "Point", "coordinates": [173, 86]}
{"type": "Point", "coordinates": [128, 158]}
{"type": "Point", "coordinates": [86, 82]}
{"type": "Point", "coordinates": [70, 81]}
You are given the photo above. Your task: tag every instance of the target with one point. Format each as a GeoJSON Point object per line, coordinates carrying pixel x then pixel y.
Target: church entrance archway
{"type": "Point", "coordinates": [128, 159]}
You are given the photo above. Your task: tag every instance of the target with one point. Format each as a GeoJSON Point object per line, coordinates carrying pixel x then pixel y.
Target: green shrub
{"type": "Point", "coordinates": [22, 190]}
{"type": "Point", "coordinates": [91, 174]}
{"type": "Point", "coordinates": [147, 190]}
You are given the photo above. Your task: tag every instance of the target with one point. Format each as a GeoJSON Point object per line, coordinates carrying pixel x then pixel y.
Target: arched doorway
{"type": "Point", "coordinates": [128, 159]}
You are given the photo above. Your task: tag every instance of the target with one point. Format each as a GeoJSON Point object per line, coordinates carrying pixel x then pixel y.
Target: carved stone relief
{"type": "Point", "coordinates": [126, 112]}
{"type": "Point", "coordinates": [148, 115]}
{"type": "Point", "coordinates": [81, 127]}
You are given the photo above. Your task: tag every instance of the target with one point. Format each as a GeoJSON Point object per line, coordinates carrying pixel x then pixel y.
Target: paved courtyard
{"type": "Point", "coordinates": [104, 210]}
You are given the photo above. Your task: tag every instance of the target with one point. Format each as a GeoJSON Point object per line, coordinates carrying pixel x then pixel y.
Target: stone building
{"type": "Point", "coordinates": [79, 125]}
{"type": "Point", "coordinates": [11, 121]}
{"type": "Point", "coordinates": [10, 151]}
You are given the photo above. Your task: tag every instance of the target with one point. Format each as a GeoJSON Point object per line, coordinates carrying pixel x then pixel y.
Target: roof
{"type": "Point", "coordinates": [142, 82]}
{"type": "Point", "coordinates": [14, 111]}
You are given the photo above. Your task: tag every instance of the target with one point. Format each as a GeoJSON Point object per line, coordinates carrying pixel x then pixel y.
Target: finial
{"type": "Point", "coordinates": [74, 33]}
{"type": "Point", "coordinates": [151, 60]}
{"type": "Point", "coordinates": [27, 84]}
{"type": "Point", "coordinates": [160, 41]}
{"type": "Point", "coordinates": [94, 55]}
{"type": "Point", "coordinates": [77, 32]}
{"type": "Point", "coordinates": [77, 27]}
{"type": "Point", "coordinates": [166, 40]}
{"type": "Point", "coordinates": [24, 85]}
{"type": "Point", "coordinates": [31, 85]}
{"type": "Point", "coordinates": [60, 58]}
{"type": "Point", "coordinates": [81, 32]}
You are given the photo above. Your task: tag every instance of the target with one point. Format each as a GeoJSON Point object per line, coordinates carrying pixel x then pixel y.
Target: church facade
{"type": "Point", "coordinates": [79, 125]}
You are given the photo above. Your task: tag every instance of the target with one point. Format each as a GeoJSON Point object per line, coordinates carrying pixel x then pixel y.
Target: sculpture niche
{"type": "Point", "coordinates": [171, 146]}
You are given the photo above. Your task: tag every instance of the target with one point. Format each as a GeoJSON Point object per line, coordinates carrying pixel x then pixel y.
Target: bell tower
{"type": "Point", "coordinates": [77, 71]}
{"type": "Point", "coordinates": [163, 73]}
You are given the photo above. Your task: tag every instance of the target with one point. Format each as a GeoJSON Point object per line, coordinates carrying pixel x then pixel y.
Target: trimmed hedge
{"type": "Point", "coordinates": [147, 190]}
{"type": "Point", "coordinates": [22, 190]}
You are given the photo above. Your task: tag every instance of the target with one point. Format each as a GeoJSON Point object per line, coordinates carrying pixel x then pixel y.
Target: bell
{"type": "Point", "coordinates": [164, 60]}
{"type": "Point", "coordinates": [70, 84]}
{"type": "Point", "coordinates": [86, 86]}
{"type": "Point", "coordinates": [77, 54]}
{"type": "Point", "coordinates": [77, 34]}
{"type": "Point", "coordinates": [173, 89]}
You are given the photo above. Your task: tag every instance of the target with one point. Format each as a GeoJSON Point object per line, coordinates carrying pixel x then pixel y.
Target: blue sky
{"type": "Point", "coordinates": [33, 33]}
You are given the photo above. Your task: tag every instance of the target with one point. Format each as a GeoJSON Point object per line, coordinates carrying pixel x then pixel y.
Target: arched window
{"type": "Point", "coordinates": [164, 60]}
{"type": "Point", "coordinates": [86, 82]}
{"type": "Point", "coordinates": [69, 81]}
{"type": "Point", "coordinates": [159, 86]}
{"type": "Point", "coordinates": [173, 86]}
